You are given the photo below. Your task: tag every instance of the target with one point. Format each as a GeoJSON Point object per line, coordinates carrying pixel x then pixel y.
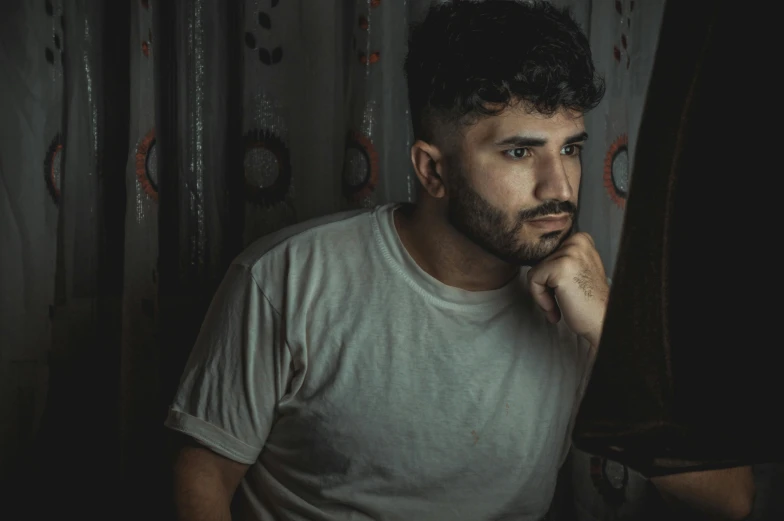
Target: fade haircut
{"type": "Point", "coordinates": [467, 60]}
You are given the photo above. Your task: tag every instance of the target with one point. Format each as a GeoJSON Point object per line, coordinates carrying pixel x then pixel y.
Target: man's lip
{"type": "Point", "coordinates": [560, 217]}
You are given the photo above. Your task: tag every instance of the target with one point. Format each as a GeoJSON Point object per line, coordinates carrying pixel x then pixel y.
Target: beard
{"type": "Point", "coordinates": [499, 235]}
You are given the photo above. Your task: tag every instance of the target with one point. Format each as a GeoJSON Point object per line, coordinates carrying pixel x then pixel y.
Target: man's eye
{"type": "Point", "coordinates": [571, 150]}
{"type": "Point", "coordinates": [518, 153]}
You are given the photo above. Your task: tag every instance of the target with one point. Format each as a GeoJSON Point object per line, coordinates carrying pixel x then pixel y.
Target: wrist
{"type": "Point", "coordinates": [595, 335]}
{"type": "Point", "coordinates": [593, 339]}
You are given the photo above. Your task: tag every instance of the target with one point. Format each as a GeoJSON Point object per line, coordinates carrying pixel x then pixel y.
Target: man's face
{"type": "Point", "coordinates": [510, 170]}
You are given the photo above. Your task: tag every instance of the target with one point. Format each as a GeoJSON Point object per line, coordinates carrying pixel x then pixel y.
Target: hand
{"type": "Point", "coordinates": [572, 282]}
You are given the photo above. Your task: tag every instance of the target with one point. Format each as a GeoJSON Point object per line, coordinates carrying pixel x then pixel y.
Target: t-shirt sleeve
{"type": "Point", "coordinates": [236, 374]}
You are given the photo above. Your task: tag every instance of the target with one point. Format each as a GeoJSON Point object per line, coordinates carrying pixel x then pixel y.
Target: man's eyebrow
{"type": "Point", "coordinates": [582, 136]}
{"type": "Point", "coordinates": [521, 141]}
{"type": "Point", "coordinates": [528, 141]}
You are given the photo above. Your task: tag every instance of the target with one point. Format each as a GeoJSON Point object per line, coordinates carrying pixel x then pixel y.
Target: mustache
{"type": "Point", "coordinates": [549, 208]}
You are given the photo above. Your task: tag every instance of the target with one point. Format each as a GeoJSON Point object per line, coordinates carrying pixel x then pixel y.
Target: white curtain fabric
{"type": "Point", "coordinates": [273, 112]}
{"type": "Point", "coordinates": [31, 125]}
{"type": "Point", "coordinates": [139, 360]}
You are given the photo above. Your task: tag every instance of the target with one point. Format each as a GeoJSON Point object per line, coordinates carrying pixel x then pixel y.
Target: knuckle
{"type": "Point", "coordinates": [584, 236]}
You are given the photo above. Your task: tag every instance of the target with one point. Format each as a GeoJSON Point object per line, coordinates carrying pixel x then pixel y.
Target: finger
{"type": "Point", "coordinates": [544, 296]}
{"type": "Point", "coordinates": [579, 241]}
{"type": "Point", "coordinates": [553, 315]}
{"type": "Point", "coordinates": [585, 236]}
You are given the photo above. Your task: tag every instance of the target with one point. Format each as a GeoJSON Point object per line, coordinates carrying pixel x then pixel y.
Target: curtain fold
{"type": "Point", "coordinates": [31, 158]}
{"type": "Point", "coordinates": [83, 91]}
{"type": "Point", "coordinates": [145, 144]}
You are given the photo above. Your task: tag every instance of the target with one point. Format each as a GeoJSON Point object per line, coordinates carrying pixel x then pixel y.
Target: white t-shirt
{"type": "Point", "coordinates": [359, 387]}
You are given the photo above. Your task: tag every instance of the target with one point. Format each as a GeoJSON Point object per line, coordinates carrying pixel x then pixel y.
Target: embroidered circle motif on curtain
{"type": "Point", "coordinates": [53, 168]}
{"type": "Point", "coordinates": [267, 168]}
{"type": "Point", "coordinates": [147, 165]}
{"type": "Point", "coordinates": [616, 171]}
{"type": "Point", "coordinates": [360, 170]}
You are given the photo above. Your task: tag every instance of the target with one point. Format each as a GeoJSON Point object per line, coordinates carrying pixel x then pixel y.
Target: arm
{"type": "Point", "coordinates": [227, 397]}
{"type": "Point", "coordinates": [204, 484]}
{"type": "Point", "coordinates": [724, 494]}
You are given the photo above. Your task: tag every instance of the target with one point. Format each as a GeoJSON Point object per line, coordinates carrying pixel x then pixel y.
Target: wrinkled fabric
{"type": "Point", "coordinates": [357, 386]}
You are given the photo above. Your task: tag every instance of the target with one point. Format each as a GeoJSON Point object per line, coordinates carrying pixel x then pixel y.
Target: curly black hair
{"type": "Point", "coordinates": [472, 59]}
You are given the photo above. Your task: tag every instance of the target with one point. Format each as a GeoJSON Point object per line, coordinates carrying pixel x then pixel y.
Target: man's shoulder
{"type": "Point", "coordinates": [308, 236]}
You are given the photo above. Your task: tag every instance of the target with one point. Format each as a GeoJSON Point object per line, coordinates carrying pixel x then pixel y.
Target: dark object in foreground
{"type": "Point", "coordinates": [688, 376]}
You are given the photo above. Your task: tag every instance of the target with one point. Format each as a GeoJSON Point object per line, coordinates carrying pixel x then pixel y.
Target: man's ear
{"type": "Point", "coordinates": [428, 164]}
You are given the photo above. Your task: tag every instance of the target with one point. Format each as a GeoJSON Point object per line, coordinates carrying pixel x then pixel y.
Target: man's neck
{"type": "Point", "coordinates": [445, 254]}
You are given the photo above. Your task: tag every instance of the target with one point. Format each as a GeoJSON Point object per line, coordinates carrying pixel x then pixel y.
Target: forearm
{"type": "Point", "coordinates": [200, 492]}
{"type": "Point", "coordinates": [198, 503]}
{"type": "Point", "coordinates": [725, 494]}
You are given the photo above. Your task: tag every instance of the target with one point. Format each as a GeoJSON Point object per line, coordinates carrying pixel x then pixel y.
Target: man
{"type": "Point", "coordinates": [417, 362]}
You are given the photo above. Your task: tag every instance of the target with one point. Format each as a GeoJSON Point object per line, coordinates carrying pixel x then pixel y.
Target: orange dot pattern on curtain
{"type": "Point", "coordinates": [364, 24]}
{"type": "Point", "coordinates": [146, 44]}
{"type": "Point", "coordinates": [361, 164]}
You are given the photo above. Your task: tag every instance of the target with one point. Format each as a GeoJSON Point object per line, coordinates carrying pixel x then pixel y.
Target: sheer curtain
{"type": "Point", "coordinates": [146, 143]}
